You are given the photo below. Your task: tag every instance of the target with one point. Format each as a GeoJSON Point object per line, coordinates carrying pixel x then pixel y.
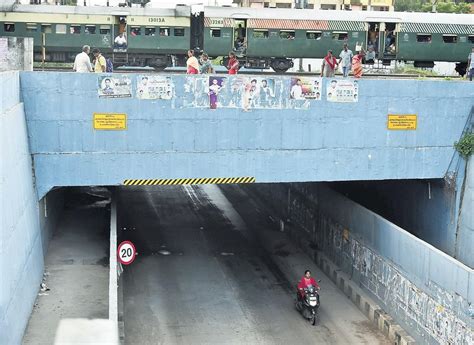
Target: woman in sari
{"type": "Point", "coordinates": [357, 64]}
{"type": "Point", "coordinates": [329, 65]}
{"type": "Point", "coordinates": [192, 63]}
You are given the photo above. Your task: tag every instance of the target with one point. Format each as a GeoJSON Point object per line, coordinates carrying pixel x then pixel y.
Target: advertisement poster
{"type": "Point", "coordinates": [305, 88]}
{"type": "Point", "coordinates": [154, 87]}
{"type": "Point", "coordinates": [114, 86]}
{"type": "Point", "coordinates": [196, 92]}
{"type": "Point", "coordinates": [216, 85]}
{"type": "Point", "coordinates": [342, 90]}
{"type": "Point", "coordinates": [258, 93]}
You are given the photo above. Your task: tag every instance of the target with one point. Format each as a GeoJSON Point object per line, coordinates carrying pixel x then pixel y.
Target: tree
{"type": "Point", "coordinates": [443, 6]}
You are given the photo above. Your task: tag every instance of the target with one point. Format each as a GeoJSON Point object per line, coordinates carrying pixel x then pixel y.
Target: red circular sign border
{"type": "Point", "coordinates": [134, 252]}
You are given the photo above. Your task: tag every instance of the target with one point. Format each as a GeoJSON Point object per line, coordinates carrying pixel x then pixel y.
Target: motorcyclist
{"type": "Point", "coordinates": [304, 283]}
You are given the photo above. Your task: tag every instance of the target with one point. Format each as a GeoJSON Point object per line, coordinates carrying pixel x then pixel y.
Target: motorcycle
{"type": "Point", "coordinates": [308, 304]}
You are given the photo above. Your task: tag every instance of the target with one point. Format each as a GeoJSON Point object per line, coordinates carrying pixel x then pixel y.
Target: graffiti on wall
{"type": "Point", "coordinates": [436, 314]}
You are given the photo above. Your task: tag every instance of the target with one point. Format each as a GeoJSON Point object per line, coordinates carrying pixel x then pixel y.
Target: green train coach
{"type": "Point", "coordinates": [261, 38]}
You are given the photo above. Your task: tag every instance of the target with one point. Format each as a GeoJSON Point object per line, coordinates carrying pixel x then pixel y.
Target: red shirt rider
{"type": "Point", "coordinates": [306, 281]}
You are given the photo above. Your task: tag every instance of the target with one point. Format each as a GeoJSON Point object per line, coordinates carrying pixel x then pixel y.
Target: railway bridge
{"type": "Point", "coordinates": [230, 187]}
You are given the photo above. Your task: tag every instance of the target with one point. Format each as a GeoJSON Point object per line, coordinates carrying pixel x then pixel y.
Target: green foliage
{"type": "Point", "coordinates": [443, 6]}
{"type": "Point", "coordinates": [465, 146]}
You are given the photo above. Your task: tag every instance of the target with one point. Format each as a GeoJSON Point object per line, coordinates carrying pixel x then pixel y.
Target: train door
{"type": "Point", "coordinates": [119, 34]}
{"type": "Point", "coordinates": [240, 37]}
{"type": "Point", "coordinates": [390, 40]}
{"type": "Point", "coordinates": [373, 37]}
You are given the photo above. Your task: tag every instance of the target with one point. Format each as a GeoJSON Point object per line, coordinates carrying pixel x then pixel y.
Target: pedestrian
{"type": "Point", "coordinates": [470, 64]}
{"type": "Point", "coordinates": [233, 64]}
{"type": "Point", "coordinates": [345, 60]}
{"type": "Point", "coordinates": [357, 63]}
{"type": "Point", "coordinates": [206, 66]}
{"type": "Point", "coordinates": [329, 65]}
{"type": "Point", "coordinates": [100, 64]}
{"type": "Point", "coordinates": [192, 63]}
{"type": "Point", "coordinates": [82, 62]}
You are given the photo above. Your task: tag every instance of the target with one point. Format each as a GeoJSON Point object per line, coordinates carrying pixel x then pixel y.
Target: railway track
{"type": "Point", "coordinates": [182, 70]}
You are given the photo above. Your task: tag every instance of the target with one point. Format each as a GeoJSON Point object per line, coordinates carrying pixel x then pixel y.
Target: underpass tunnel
{"type": "Point", "coordinates": [220, 263]}
{"type": "Point", "coordinates": [236, 241]}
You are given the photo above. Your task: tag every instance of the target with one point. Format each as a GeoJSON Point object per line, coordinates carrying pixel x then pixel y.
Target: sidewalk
{"type": "Point", "coordinates": [76, 273]}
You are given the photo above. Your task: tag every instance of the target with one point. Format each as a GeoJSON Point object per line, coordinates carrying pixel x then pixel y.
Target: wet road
{"type": "Point", "coordinates": [217, 285]}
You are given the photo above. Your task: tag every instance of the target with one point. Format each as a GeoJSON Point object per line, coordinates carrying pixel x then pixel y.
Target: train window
{"type": "Point", "coordinates": [340, 36]}
{"type": "Point", "coordinates": [215, 32]}
{"type": "Point", "coordinates": [287, 35]}
{"type": "Point", "coordinates": [164, 31]}
{"type": "Point", "coordinates": [31, 27]}
{"type": "Point", "coordinates": [89, 29]}
{"type": "Point", "coordinates": [104, 29]}
{"type": "Point", "coordinates": [75, 29]}
{"type": "Point", "coordinates": [179, 31]}
{"type": "Point", "coordinates": [471, 38]}
{"type": "Point", "coordinates": [450, 38]}
{"type": "Point", "coordinates": [150, 31]}
{"type": "Point", "coordinates": [61, 28]}
{"type": "Point", "coordinates": [260, 33]}
{"type": "Point", "coordinates": [46, 28]}
{"type": "Point", "coordinates": [135, 31]}
{"type": "Point", "coordinates": [313, 35]}
{"type": "Point", "coordinates": [9, 27]}
{"type": "Point", "coordinates": [423, 38]}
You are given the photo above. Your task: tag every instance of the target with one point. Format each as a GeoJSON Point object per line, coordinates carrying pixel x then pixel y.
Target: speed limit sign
{"type": "Point", "coordinates": [126, 252]}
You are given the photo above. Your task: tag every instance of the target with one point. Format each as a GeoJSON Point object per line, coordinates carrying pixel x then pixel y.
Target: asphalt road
{"type": "Point", "coordinates": [203, 277]}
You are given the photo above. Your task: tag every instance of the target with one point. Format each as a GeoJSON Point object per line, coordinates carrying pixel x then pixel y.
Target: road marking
{"type": "Point", "coordinates": [188, 181]}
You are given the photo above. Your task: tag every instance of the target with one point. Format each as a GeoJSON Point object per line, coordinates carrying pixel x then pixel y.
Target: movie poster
{"type": "Point", "coordinates": [305, 88]}
{"type": "Point", "coordinates": [154, 87]}
{"type": "Point", "coordinates": [216, 92]}
{"type": "Point", "coordinates": [115, 86]}
{"type": "Point", "coordinates": [196, 92]}
{"type": "Point", "coordinates": [342, 90]}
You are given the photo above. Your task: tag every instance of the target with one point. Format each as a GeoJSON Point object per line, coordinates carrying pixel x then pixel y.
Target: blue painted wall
{"type": "Point", "coordinates": [465, 231]}
{"type": "Point", "coordinates": [26, 223]}
{"type": "Point", "coordinates": [167, 139]}
{"type": "Point", "coordinates": [21, 248]}
{"type": "Point", "coordinates": [429, 293]}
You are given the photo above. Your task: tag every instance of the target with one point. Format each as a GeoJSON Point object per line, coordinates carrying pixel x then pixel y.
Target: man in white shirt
{"type": "Point", "coordinates": [346, 58]}
{"type": "Point", "coordinates": [297, 90]}
{"type": "Point", "coordinates": [121, 41]}
{"type": "Point", "coordinates": [82, 63]}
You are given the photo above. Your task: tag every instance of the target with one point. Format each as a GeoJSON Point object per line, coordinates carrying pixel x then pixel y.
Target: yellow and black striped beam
{"type": "Point", "coordinates": [180, 181]}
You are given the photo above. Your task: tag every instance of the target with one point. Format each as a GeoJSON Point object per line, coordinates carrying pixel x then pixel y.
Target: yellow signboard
{"type": "Point", "coordinates": [110, 121]}
{"type": "Point", "coordinates": [402, 122]}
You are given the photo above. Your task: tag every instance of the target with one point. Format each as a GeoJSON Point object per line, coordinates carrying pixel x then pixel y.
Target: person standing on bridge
{"type": "Point", "coordinates": [329, 65]}
{"type": "Point", "coordinates": [233, 64]}
{"type": "Point", "coordinates": [345, 60]}
{"type": "Point", "coordinates": [357, 63]}
{"type": "Point", "coordinates": [100, 65]}
{"type": "Point", "coordinates": [192, 63]}
{"type": "Point", "coordinates": [470, 64]}
{"type": "Point", "coordinates": [82, 62]}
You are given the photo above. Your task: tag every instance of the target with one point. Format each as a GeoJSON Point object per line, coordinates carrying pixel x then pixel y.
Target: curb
{"type": "Point", "coordinates": [384, 322]}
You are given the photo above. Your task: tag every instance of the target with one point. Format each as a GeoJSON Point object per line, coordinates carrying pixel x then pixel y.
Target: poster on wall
{"type": "Point", "coordinates": [196, 92]}
{"type": "Point", "coordinates": [154, 87]}
{"type": "Point", "coordinates": [216, 85]}
{"type": "Point", "coordinates": [342, 90]}
{"type": "Point", "coordinates": [305, 88]}
{"type": "Point", "coordinates": [258, 93]}
{"type": "Point", "coordinates": [114, 86]}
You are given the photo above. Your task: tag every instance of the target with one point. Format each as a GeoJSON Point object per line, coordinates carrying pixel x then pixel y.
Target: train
{"type": "Point", "coordinates": [261, 38]}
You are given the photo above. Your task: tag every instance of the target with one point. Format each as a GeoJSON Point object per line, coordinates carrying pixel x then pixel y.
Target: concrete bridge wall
{"type": "Point", "coordinates": [26, 223]}
{"type": "Point", "coordinates": [426, 291]}
{"type": "Point", "coordinates": [295, 141]}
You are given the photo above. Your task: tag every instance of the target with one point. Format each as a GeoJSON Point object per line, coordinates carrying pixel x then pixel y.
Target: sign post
{"type": "Point", "coordinates": [126, 252]}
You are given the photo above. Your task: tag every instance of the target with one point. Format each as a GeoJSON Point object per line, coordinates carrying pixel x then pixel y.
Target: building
{"type": "Point", "coordinates": [348, 5]}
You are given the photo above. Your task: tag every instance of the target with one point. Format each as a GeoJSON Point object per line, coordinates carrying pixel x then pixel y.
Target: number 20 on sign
{"type": "Point", "coordinates": [126, 252]}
